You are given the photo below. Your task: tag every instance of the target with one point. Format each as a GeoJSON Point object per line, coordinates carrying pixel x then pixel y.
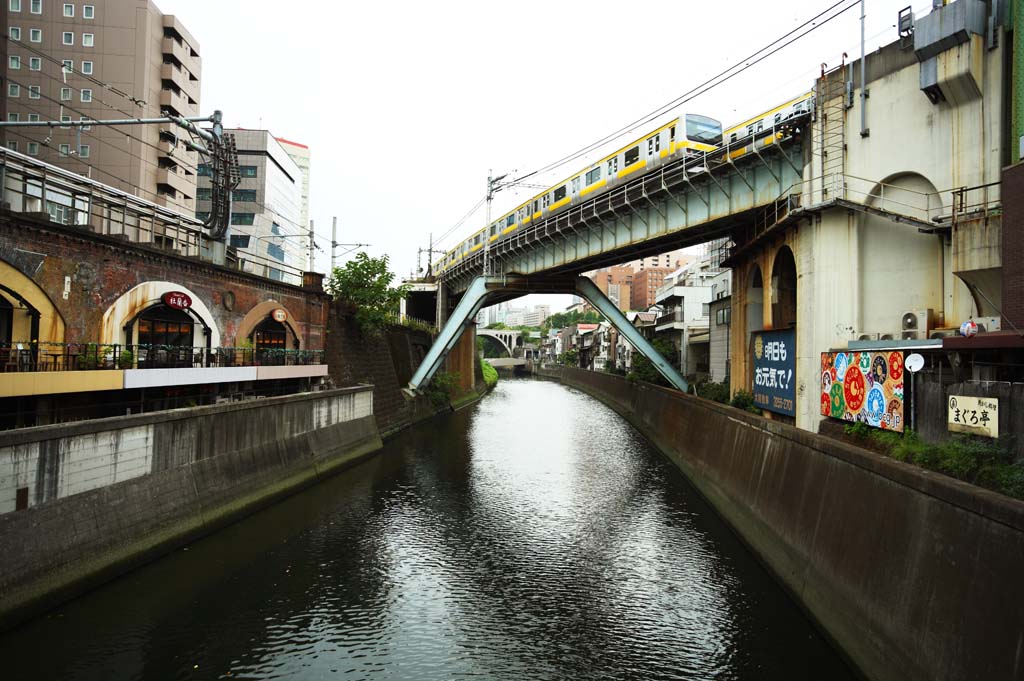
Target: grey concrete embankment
{"type": "Point", "coordinates": [106, 495]}
{"type": "Point", "coordinates": [913, 574]}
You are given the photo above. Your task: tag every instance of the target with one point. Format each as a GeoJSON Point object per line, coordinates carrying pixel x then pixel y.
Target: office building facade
{"type": "Point", "coordinates": [103, 59]}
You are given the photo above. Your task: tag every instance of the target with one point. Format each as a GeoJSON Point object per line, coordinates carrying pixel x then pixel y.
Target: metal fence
{"type": "Point", "coordinates": [29, 356]}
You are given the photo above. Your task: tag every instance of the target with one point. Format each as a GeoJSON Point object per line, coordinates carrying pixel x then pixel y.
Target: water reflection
{"type": "Point", "coordinates": [533, 536]}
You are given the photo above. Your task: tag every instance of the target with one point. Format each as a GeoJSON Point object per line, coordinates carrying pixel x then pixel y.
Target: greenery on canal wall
{"type": "Point", "coordinates": [490, 373]}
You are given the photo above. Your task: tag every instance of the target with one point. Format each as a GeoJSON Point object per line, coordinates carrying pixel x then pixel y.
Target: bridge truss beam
{"type": "Point", "coordinates": [483, 288]}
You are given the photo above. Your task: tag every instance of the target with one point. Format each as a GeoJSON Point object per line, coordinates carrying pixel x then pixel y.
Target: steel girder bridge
{"type": "Point", "coordinates": [682, 203]}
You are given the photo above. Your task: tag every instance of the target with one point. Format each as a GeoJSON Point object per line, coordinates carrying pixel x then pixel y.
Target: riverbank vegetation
{"type": "Point", "coordinates": [363, 286]}
{"type": "Point", "coordinates": [963, 457]}
{"type": "Point", "coordinates": [490, 373]}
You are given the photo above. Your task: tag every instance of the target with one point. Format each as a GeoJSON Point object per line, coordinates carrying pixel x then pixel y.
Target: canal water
{"type": "Point", "coordinates": [535, 535]}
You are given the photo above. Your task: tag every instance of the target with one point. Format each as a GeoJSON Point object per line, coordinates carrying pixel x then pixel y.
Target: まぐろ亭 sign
{"type": "Point", "coordinates": [864, 387]}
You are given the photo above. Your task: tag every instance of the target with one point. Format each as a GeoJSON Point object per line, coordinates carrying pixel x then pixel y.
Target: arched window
{"type": "Point", "coordinates": [270, 339]}
{"type": "Point", "coordinates": [160, 325]}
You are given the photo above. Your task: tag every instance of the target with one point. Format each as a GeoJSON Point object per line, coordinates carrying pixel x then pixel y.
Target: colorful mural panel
{"type": "Point", "coordinates": [865, 387]}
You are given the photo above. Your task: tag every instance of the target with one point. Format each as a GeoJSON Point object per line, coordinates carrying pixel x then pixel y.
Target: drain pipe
{"type": "Point", "coordinates": [864, 132]}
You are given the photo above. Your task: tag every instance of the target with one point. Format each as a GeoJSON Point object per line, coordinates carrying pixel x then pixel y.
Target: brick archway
{"type": "Point", "coordinates": [257, 314]}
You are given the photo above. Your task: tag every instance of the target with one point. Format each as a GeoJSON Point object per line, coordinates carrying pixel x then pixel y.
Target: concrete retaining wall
{"type": "Point", "coordinates": [914, 575]}
{"type": "Point", "coordinates": [106, 495]}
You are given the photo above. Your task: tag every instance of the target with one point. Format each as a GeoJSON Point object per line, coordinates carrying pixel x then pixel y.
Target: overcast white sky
{"type": "Point", "coordinates": [406, 105]}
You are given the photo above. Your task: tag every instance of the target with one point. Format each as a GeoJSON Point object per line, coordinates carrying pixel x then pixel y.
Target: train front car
{"type": "Point", "coordinates": [703, 134]}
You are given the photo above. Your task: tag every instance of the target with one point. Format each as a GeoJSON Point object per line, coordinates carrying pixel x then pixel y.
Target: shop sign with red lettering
{"type": "Point", "coordinates": [177, 300]}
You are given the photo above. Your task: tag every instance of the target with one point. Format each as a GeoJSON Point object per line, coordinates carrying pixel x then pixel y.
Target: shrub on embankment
{"type": "Point", "coordinates": [490, 374]}
{"type": "Point", "coordinates": [963, 457]}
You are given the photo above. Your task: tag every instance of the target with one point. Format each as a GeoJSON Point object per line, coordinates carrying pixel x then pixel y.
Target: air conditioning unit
{"type": "Point", "coordinates": [943, 333]}
{"type": "Point", "coordinates": [909, 335]}
{"type": "Point", "coordinates": [887, 336]}
{"type": "Point", "coordinates": [921, 321]}
{"type": "Point", "coordinates": [986, 324]}
{"type": "Point", "coordinates": [867, 337]}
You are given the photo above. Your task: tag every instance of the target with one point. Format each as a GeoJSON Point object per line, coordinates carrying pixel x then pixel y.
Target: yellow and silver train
{"type": "Point", "coordinates": [687, 135]}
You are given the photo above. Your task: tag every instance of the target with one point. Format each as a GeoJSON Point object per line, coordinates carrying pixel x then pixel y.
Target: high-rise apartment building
{"type": "Point", "coordinates": [104, 59]}
{"type": "Point", "coordinates": [266, 207]}
{"type": "Point", "coordinates": [645, 286]}
{"type": "Point", "coordinates": [671, 260]}
{"type": "Point", "coordinates": [300, 154]}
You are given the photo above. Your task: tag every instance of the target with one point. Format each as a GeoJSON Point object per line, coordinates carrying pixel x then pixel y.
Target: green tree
{"type": "Point", "coordinates": [644, 369]}
{"type": "Point", "coordinates": [364, 283]}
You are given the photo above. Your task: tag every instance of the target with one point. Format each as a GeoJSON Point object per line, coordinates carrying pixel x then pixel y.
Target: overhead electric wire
{"type": "Point", "coordinates": [461, 221]}
{"type": "Point", "coordinates": [700, 89]}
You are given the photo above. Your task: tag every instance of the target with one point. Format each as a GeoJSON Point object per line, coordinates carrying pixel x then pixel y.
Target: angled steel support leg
{"type": "Point", "coordinates": [589, 290]}
{"type": "Point", "coordinates": [472, 300]}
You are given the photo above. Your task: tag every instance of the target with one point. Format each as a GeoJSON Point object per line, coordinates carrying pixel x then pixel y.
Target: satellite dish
{"type": "Point", "coordinates": [914, 363]}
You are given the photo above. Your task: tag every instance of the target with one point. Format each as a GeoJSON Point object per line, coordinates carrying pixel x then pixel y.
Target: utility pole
{"type": "Point", "coordinates": [430, 251]}
{"type": "Point", "coordinates": [312, 245]}
{"type": "Point", "coordinates": [334, 241]}
{"type": "Point", "coordinates": [492, 187]}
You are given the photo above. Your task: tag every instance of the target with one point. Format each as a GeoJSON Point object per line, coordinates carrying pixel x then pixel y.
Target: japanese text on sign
{"type": "Point", "coordinates": [977, 415]}
{"type": "Point", "coordinates": [775, 371]}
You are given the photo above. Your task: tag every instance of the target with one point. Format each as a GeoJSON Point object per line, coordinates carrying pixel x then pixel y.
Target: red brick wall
{"type": "Point", "coordinates": [103, 268]}
{"type": "Point", "coordinates": [1013, 245]}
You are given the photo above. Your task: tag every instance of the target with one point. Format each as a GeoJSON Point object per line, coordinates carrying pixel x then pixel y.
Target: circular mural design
{"type": "Point", "coordinates": [838, 404]}
{"type": "Point", "coordinates": [842, 361]}
{"type": "Point", "coordinates": [865, 361]}
{"type": "Point", "coordinates": [854, 388]}
{"type": "Point", "coordinates": [875, 406]}
{"type": "Point", "coordinates": [879, 369]}
{"type": "Point", "coordinates": [896, 366]}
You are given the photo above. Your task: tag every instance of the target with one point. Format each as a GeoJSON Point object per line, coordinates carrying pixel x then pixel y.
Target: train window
{"type": "Point", "coordinates": [560, 193]}
{"type": "Point", "coordinates": [760, 125]}
{"type": "Point", "coordinates": [593, 175]}
{"type": "Point", "coordinates": [510, 220]}
{"type": "Point", "coordinates": [546, 200]}
{"type": "Point", "coordinates": [778, 118]}
{"type": "Point", "coordinates": [732, 137]}
{"type": "Point", "coordinates": [750, 130]}
{"type": "Point", "coordinates": [575, 184]}
{"type": "Point", "coordinates": [653, 145]}
{"type": "Point", "coordinates": [613, 166]}
{"type": "Point", "coordinates": [631, 156]}
{"type": "Point", "coordinates": [536, 205]}
{"type": "Point", "coordinates": [672, 133]}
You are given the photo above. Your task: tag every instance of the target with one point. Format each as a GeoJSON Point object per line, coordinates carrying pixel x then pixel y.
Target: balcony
{"type": "Point", "coordinates": [182, 53]}
{"type": "Point", "coordinates": [53, 368]}
{"type": "Point", "coordinates": [176, 181]}
{"type": "Point", "coordinates": [171, 100]}
{"type": "Point", "coordinates": [182, 78]}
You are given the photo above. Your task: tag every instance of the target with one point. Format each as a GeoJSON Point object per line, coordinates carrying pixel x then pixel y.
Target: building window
{"type": "Point", "coordinates": [36, 6]}
{"type": "Point", "coordinates": [65, 119]}
{"type": "Point", "coordinates": [14, 32]}
{"type": "Point", "coordinates": [204, 170]}
{"type": "Point", "coordinates": [15, 5]}
{"type": "Point", "coordinates": [33, 92]}
{"type": "Point", "coordinates": [69, 65]}
{"type": "Point", "coordinates": [243, 195]}
{"type": "Point", "coordinates": [69, 38]}
{"type": "Point", "coordinates": [204, 194]}
{"type": "Point", "coordinates": [65, 94]}
{"type": "Point", "coordinates": [33, 148]}
{"type": "Point", "coordinates": [12, 145]}
{"type": "Point", "coordinates": [87, 39]}
{"type": "Point", "coordinates": [203, 215]}
{"type": "Point", "coordinates": [13, 89]}
{"type": "Point", "coordinates": [239, 240]}
{"type": "Point", "coordinates": [88, 12]}
{"type": "Point", "coordinates": [83, 150]}
{"type": "Point", "coordinates": [14, 62]}
{"type": "Point", "coordinates": [64, 149]}
{"type": "Point", "coordinates": [33, 118]}
{"type": "Point", "coordinates": [86, 95]}
{"type": "Point", "coordinates": [161, 326]}
{"type": "Point", "coordinates": [275, 251]}
{"type": "Point", "coordinates": [12, 117]}
{"type": "Point", "coordinates": [247, 171]}
{"type": "Point", "coordinates": [69, 10]}
{"type": "Point", "coordinates": [87, 68]}
{"type": "Point", "coordinates": [35, 63]}
{"type": "Point", "coordinates": [35, 35]}
{"type": "Point", "coordinates": [243, 218]}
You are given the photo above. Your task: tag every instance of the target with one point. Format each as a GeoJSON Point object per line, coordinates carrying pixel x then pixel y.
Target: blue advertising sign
{"type": "Point", "coordinates": [775, 371]}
